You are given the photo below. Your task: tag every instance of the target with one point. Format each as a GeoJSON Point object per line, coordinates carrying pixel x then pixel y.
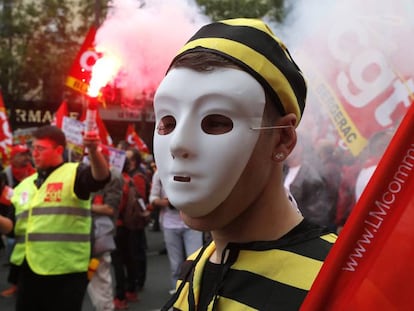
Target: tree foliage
{"type": "Point", "coordinates": [224, 9]}
{"type": "Point", "coordinates": [38, 42]}
{"type": "Point", "coordinates": [39, 39]}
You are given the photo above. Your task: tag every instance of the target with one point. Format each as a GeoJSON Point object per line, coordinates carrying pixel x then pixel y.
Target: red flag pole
{"type": "Point", "coordinates": [343, 280]}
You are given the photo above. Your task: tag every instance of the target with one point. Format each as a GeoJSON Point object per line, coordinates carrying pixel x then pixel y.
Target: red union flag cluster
{"type": "Point", "coordinates": [370, 266]}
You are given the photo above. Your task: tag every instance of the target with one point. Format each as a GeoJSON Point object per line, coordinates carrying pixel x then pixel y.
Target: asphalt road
{"type": "Point", "coordinates": [152, 297]}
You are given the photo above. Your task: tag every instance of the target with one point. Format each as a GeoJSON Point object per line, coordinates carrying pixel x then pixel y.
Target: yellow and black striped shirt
{"type": "Point", "coordinates": [261, 275]}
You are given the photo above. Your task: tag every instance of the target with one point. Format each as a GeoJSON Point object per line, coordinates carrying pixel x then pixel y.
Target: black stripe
{"type": "Point", "coordinates": [304, 240]}
{"type": "Point", "coordinates": [261, 293]}
{"type": "Point", "coordinates": [264, 44]}
{"type": "Point", "coordinates": [316, 249]}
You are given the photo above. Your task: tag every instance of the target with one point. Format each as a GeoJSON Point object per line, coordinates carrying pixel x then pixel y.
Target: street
{"type": "Point", "coordinates": [152, 297]}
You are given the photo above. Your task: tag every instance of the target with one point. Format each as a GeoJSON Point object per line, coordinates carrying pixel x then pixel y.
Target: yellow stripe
{"type": "Point", "coordinates": [331, 237]}
{"type": "Point", "coordinates": [182, 303]}
{"type": "Point", "coordinates": [76, 84]}
{"type": "Point", "coordinates": [344, 124]}
{"type": "Point", "coordinates": [257, 62]}
{"type": "Point", "coordinates": [290, 268]}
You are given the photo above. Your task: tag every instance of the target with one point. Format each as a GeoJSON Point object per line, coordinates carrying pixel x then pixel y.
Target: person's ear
{"type": "Point", "coordinates": [60, 149]}
{"type": "Point", "coordinates": [287, 138]}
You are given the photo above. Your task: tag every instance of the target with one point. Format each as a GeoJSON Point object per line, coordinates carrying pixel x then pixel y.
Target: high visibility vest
{"type": "Point", "coordinates": [53, 226]}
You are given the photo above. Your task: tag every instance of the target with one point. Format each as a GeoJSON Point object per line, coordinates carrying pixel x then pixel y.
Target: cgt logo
{"type": "Point", "coordinates": [54, 192]}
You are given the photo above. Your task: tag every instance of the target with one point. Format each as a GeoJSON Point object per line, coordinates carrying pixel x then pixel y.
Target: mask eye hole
{"type": "Point", "coordinates": [216, 124]}
{"type": "Point", "coordinates": [166, 125]}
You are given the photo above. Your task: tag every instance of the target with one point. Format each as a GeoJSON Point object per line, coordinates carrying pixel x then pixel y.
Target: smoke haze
{"type": "Point", "coordinates": [145, 35]}
{"type": "Point", "coordinates": [356, 56]}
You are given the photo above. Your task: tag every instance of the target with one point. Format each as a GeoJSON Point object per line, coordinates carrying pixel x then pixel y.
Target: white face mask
{"type": "Point", "coordinates": [203, 138]}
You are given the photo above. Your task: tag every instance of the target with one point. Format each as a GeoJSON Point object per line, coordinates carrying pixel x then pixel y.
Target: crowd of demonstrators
{"type": "Point", "coordinates": [105, 204]}
{"type": "Point", "coordinates": [327, 180]}
{"type": "Point", "coordinates": [53, 223]}
{"type": "Point", "coordinates": [94, 203]}
{"type": "Point", "coordinates": [180, 240]}
{"type": "Point", "coordinates": [219, 149]}
{"type": "Point", "coordinates": [19, 168]}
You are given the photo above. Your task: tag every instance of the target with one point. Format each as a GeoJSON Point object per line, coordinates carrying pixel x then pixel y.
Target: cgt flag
{"type": "Point", "coordinates": [133, 139]}
{"type": "Point", "coordinates": [370, 267]}
{"type": "Point", "coordinates": [81, 70]}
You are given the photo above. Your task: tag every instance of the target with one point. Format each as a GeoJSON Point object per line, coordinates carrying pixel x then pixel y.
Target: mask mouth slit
{"type": "Point", "coordinates": [182, 178]}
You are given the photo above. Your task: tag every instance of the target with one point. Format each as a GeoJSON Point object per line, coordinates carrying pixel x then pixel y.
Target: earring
{"type": "Point", "coordinates": [278, 156]}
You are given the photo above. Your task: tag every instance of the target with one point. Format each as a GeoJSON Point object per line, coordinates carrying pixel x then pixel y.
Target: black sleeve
{"type": "Point", "coordinates": [85, 183]}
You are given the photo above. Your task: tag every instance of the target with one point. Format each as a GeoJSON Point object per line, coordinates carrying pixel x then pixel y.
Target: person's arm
{"type": "Point", "coordinates": [6, 218]}
{"type": "Point", "coordinates": [6, 225]}
{"type": "Point", "coordinates": [111, 197]}
{"type": "Point", "coordinates": [156, 198]}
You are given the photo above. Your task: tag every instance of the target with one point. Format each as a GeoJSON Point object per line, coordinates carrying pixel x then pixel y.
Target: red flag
{"type": "Point", "coordinates": [81, 71]}
{"type": "Point", "coordinates": [133, 139]}
{"type": "Point", "coordinates": [370, 266]}
{"type": "Point", "coordinates": [103, 132]}
{"type": "Point", "coordinates": [358, 70]}
{"type": "Point", "coordinates": [62, 111]}
{"type": "Point", "coordinates": [6, 136]}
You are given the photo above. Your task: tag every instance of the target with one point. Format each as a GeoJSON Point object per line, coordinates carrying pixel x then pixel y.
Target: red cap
{"type": "Point", "coordinates": [18, 149]}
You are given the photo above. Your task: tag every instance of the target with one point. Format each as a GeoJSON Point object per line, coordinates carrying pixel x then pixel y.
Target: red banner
{"type": "Point", "coordinates": [62, 111]}
{"type": "Point", "coordinates": [133, 139]}
{"type": "Point", "coordinates": [6, 136]}
{"type": "Point", "coordinates": [81, 71]}
{"type": "Point", "coordinates": [370, 266]}
{"type": "Point", "coordinates": [359, 70]}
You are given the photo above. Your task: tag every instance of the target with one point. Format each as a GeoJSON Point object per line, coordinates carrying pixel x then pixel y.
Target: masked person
{"type": "Point", "coordinates": [226, 114]}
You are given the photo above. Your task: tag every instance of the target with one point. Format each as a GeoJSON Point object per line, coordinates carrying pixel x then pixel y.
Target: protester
{"type": "Point", "coordinates": [53, 223]}
{"type": "Point", "coordinates": [377, 144]}
{"type": "Point", "coordinates": [124, 257]}
{"type": "Point", "coordinates": [346, 190]}
{"type": "Point", "coordinates": [105, 203]}
{"type": "Point", "coordinates": [226, 114]}
{"type": "Point", "coordinates": [20, 167]}
{"type": "Point", "coordinates": [305, 181]}
{"type": "Point", "coordinates": [136, 171]}
{"type": "Point", "coordinates": [180, 240]}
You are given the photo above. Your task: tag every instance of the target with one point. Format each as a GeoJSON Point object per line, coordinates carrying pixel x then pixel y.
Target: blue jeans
{"type": "Point", "coordinates": [180, 243]}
